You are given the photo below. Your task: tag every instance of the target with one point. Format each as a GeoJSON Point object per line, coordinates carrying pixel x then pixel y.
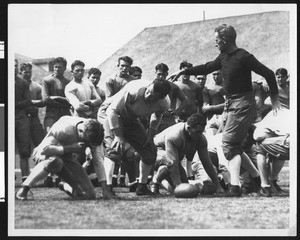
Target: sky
{"type": "Point", "coordinates": [93, 32]}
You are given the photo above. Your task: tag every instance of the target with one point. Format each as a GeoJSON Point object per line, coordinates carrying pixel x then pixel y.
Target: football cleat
{"type": "Point", "coordinates": [276, 186]}
{"type": "Point", "coordinates": [154, 187]}
{"type": "Point", "coordinates": [265, 192]}
{"type": "Point", "coordinates": [111, 189]}
{"type": "Point", "coordinates": [22, 193]}
{"type": "Point", "coordinates": [247, 188]}
{"type": "Point", "coordinates": [234, 191]}
{"type": "Point", "coordinates": [122, 182]}
{"type": "Point", "coordinates": [133, 187]}
{"type": "Point", "coordinates": [61, 187]}
{"type": "Point", "coordinates": [114, 181]}
{"type": "Point", "coordinates": [142, 189]}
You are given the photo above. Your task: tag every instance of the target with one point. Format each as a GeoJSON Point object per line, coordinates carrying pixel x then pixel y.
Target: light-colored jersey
{"type": "Point", "coordinates": [129, 103]}
{"type": "Point", "coordinates": [64, 133]}
{"type": "Point", "coordinates": [77, 93]}
{"type": "Point", "coordinates": [175, 141]}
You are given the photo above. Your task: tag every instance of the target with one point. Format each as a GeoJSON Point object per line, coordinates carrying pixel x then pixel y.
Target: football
{"type": "Point", "coordinates": [186, 190]}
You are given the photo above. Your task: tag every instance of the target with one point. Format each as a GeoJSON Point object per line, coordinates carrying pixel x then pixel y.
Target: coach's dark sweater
{"type": "Point", "coordinates": [236, 70]}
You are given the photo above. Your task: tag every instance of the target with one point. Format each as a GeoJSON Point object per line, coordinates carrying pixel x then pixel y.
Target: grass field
{"type": "Point", "coordinates": [50, 208]}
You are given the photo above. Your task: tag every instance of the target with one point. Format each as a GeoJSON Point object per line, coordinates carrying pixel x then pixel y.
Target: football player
{"type": "Point", "coordinates": [54, 154]}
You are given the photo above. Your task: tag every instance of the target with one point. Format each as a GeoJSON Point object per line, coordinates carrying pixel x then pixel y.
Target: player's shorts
{"type": "Point", "coordinates": [275, 146]}
{"type": "Point", "coordinates": [239, 114]}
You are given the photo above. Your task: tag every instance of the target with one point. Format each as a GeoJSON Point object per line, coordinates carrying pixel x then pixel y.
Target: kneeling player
{"type": "Point", "coordinates": [55, 155]}
{"type": "Point", "coordinates": [173, 143]}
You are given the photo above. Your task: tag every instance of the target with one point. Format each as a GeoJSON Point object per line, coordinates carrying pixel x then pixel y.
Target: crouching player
{"type": "Point", "coordinates": [273, 148]}
{"type": "Point", "coordinates": [54, 154]}
{"type": "Point", "coordinates": [173, 144]}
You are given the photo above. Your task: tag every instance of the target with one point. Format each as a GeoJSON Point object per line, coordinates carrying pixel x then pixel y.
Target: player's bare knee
{"type": "Point", "coordinates": [231, 152]}
{"type": "Point", "coordinates": [54, 164]}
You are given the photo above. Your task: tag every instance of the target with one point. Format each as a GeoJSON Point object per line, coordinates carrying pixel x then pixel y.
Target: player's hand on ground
{"type": "Point", "coordinates": [108, 195]}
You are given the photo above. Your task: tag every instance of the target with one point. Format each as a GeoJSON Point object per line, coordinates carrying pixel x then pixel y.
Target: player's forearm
{"type": "Point", "coordinates": [53, 103]}
{"type": "Point", "coordinates": [208, 166]}
{"type": "Point", "coordinates": [53, 150]}
{"type": "Point", "coordinates": [98, 158]}
{"type": "Point", "coordinates": [81, 107]}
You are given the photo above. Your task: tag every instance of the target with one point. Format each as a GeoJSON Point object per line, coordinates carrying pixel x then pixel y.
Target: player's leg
{"type": "Point", "coordinates": [23, 143]}
{"type": "Point", "coordinates": [74, 174]}
{"type": "Point", "coordinates": [239, 115]}
{"type": "Point", "coordinates": [39, 172]}
{"type": "Point", "coordinates": [136, 135]}
{"type": "Point", "coordinates": [37, 131]}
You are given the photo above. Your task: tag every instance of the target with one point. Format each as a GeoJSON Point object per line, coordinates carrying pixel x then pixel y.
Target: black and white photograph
{"type": "Point", "coordinates": [152, 119]}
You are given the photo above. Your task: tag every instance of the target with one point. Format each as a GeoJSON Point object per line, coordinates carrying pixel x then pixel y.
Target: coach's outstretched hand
{"type": "Point", "coordinates": [174, 76]}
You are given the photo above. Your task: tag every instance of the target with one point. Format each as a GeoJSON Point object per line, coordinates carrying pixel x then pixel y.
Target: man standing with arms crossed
{"type": "Point", "coordinates": [81, 93]}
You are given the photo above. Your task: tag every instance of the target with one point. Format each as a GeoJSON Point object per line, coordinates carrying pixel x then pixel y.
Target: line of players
{"type": "Point", "coordinates": [147, 127]}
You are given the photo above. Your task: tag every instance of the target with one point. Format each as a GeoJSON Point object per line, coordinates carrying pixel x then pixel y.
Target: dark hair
{"type": "Point", "coordinates": [162, 87]}
{"type": "Point", "coordinates": [77, 63]}
{"type": "Point", "coordinates": [135, 69]}
{"type": "Point", "coordinates": [185, 64]}
{"type": "Point", "coordinates": [125, 59]}
{"type": "Point", "coordinates": [94, 71]}
{"type": "Point", "coordinates": [226, 32]}
{"type": "Point", "coordinates": [93, 132]}
{"type": "Point", "coordinates": [23, 66]}
{"type": "Point", "coordinates": [60, 60]}
{"type": "Point", "coordinates": [281, 71]}
{"type": "Point", "coordinates": [196, 119]}
{"type": "Point", "coordinates": [161, 66]}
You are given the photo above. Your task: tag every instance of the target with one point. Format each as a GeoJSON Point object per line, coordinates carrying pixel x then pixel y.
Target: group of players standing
{"type": "Point", "coordinates": [149, 127]}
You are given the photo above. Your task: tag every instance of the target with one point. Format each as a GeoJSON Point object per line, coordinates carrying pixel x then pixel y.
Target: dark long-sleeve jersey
{"type": "Point", "coordinates": [236, 70]}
